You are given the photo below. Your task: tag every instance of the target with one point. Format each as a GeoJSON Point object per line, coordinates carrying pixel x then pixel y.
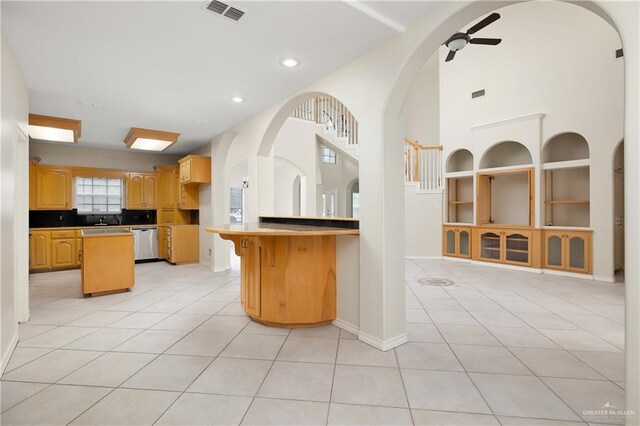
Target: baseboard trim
{"type": "Point", "coordinates": [605, 279]}
{"type": "Point", "coordinates": [424, 257]}
{"type": "Point", "coordinates": [221, 269]}
{"type": "Point", "coordinates": [576, 275]}
{"type": "Point", "coordinates": [205, 263]}
{"type": "Point", "coordinates": [383, 345]}
{"type": "Point", "coordinates": [7, 355]}
{"type": "Point", "coordinates": [457, 259]}
{"type": "Point", "coordinates": [511, 267]}
{"type": "Point", "coordinates": [346, 326]}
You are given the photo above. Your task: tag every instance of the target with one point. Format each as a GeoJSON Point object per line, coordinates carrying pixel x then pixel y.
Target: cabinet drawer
{"type": "Point", "coordinates": [63, 234]}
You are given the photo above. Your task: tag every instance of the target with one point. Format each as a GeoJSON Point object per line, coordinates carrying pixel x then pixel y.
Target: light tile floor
{"type": "Point", "coordinates": [497, 347]}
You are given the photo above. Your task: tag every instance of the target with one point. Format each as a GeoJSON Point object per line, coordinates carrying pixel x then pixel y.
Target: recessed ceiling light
{"type": "Point", "coordinates": [290, 62]}
{"type": "Point", "coordinates": [237, 99]}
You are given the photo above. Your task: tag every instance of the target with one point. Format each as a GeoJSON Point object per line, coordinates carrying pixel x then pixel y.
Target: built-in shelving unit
{"type": "Point", "coordinates": [460, 200]}
{"type": "Point", "coordinates": [566, 181]}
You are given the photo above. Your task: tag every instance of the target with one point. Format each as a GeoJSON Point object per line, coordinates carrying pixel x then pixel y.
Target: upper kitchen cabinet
{"type": "Point", "coordinates": [142, 190]}
{"type": "Point", "coordinates": [195, 169]}
{"type": "Point", "coordinates": [53, 188]}
{"type": "Point", "coordinates": [168, 188]}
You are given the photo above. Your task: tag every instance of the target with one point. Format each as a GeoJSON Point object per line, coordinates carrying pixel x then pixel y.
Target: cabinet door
{"type": "Point", "coordinates": [577, 252]}
{"type": "Point", "coordinates": [135, 191]}
{"type": "Point", "coordinates": [63, 253]}
{"type": "Point", "coordinates": [517, 247]}
{"type": "Point", "coordinates": [78, 251]}
{"type": "Point", "coordinates": [162, 243]}
{"type": "Point", "coordinates": [490, 245]}
{"type": "Point", "coordinates": [250, 280]}
{"type": "Point", "coordinates": [463, 242]}
{"type": "Point", "coordinates": [185, 171]}
{"type": "Point", "coordinates": [53, 188]}
{"type": "Point", "coordinates": [39, 250]}
{"type": "Point", "coordinates": [449, 242]}
{"type": "Point", "coordinates": [554, 250]}
{"type": "Point", "coordinates": [189, 197]}
{"type": "Point", "coordinates": [168, 189]}
{"type": "Point", "coordinates": [150, 191]}
{"type": "Point", "coordinates": [32, 187]}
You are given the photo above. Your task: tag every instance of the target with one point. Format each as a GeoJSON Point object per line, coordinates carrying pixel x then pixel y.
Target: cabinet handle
{"type": "Point", "coordinates": [79, 256]}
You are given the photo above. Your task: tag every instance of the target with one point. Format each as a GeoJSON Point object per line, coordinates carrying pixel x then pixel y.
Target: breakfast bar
{"type": "Point", "coordinates": [288, 268]}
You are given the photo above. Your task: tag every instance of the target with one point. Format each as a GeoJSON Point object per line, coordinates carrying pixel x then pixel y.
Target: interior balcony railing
{"type": "Point", "coordinates": [332, 114]}
{"type": "Point", "coordinates": [423, 164]}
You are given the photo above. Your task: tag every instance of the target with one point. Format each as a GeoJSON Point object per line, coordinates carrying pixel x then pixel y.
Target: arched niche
{"type": "Point", "coordinates": [565, 147]}
{"type": "Point", "coordinates": [460, 161]}
{"type": "Point", "coordinates": [503, 154]}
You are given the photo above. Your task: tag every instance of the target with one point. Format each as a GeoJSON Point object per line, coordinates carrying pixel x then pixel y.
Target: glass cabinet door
{"type": "Point", "coordinates": [553, 252]}
{"type": "Point", "coordinates": [490, 246]}
{"type": "Point", "coordinates": [463, 243]}
{"type": "Point", "coordinates": [450, 242]}
{"type": "Point", "coordinates": [517, 248]}
{"type": "Point", "coordinates": [576, 257]}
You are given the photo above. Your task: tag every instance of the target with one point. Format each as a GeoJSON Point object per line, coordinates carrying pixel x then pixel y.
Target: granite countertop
{"type": "Point", "coordinates": [276, 229]}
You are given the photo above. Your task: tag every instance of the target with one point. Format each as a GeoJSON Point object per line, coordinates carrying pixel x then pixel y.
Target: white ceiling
{"type": "Point", "coordinates": [174, 66]}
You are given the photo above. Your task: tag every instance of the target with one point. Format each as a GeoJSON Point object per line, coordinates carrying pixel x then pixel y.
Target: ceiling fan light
{"type": "Point", "coordinates": [457, 44]}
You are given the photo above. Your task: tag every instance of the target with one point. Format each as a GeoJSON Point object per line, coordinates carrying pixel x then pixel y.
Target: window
{"type": "Point", "coordinates": [355, 205]}
{"type": "Point", "coordinates": [236, 211]}
{"type": "Point", "coordinates": [328, 156]}
{"type": "Point", "coordinates": [99, 195]}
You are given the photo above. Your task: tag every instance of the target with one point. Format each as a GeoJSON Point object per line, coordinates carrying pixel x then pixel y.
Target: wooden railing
{"type": "Point", "coordinates": [332, 114]}
{"type": "Point", "coordinates": [423, 164]}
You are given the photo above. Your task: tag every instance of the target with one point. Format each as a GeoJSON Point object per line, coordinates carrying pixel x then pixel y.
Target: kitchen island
{"type": "Point", "coordinates": [288, 268]}
{"type": "Point", "coordinates": [107, 261]}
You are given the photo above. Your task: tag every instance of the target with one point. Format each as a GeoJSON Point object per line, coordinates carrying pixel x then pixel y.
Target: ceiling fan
{"type": "Point", "coordinates": [459, 40]}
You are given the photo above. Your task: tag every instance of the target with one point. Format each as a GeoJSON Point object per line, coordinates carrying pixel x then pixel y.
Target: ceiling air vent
{"type": "Point", "coordinates": [619, 53]}
{"type": "Point", "coordinates": [234, 13]}
{"type": "Point", "coordinates": [225, 10]}
{"type": "Point", "coordinates": [477, 94]}
{"type": "Point", "coordinates": [217, 7]}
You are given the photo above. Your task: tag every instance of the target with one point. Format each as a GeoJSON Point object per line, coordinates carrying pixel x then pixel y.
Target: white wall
{"type": "Point", "coordinates": [577, 89]}
{"type": "Point", "coordinates": [205, 199]}
{"type": "Point", "coordinates": [77, 155]}
{"type": "Point", "coordinates": [423, 223]}
{"type": "Point", "coordinates": [423, 211]}
{"type": "Point", "coordinates": [336, 176]}
{"type": "Point", "coordinates": [14, 181]}
{"type": "Point", "coordinates": [421, 109]}
{"type": "Point", "coordinates": [285, 174]}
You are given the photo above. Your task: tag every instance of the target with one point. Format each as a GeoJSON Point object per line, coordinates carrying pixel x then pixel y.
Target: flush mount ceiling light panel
{"type": "Point", "coordinates": [225, 10]}
{"type": "Point", "coordinates": [54, 129]}
{"type": "Point", "coordinates": [149, 140]}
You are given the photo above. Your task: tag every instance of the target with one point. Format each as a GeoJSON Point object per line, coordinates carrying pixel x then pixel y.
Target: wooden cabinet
{"type": "Point", "coordinates": [182, 243]}
{"type": "Point", "coordinates": [189, 198]}
{"type": "Point", "coordinates": [456, 241]}
{"type": "Point", "coordinates": [142, 191]}
{"type": "Point", "coordinates": [39, 250]}
{"type": "Point", "coordinates": [567, 250]}
{"type": "Point", "coordinates": [53, 188]}
{"type": "Point", "coordinates": [250, 276]}
{"type": "Point", "coordinates": [63, 253]}
{"type": "Point", "coordinates": [505, 198]}
{"type": "Point", "coordinates": [195, 169]}
{"type": "Point", "coordinates": [32, 186]}
{"type": "Point", "coordinates": [513, 246]}
{"type": "Point", "coordinates": [168, 186]}
{"type": "Point", "coordinates": [162, 242]}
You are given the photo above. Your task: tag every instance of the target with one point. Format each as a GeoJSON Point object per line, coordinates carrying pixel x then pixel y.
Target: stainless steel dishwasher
{"type": "Point", "coordinates": [145, 242]}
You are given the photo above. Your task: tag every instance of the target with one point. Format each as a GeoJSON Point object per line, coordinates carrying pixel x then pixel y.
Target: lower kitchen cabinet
{"type": "Point", "coordinates": [63, 253]}
{"type": "Point", "coordinates": [250, 280]}
{"type": "Point", "coordinates": [567, 250]}
{"type": "Point", "coordinates": [39, 250]}
{"type": "Point", "coordinates": [182, 243]}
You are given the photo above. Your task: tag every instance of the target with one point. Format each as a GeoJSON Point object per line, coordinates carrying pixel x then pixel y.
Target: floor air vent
{"type": "Point", "coordinates": [436, 282]}
{"type": "Point", "coordinates": [225, 10]}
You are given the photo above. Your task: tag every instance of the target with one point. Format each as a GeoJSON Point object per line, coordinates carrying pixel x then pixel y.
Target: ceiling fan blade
{"type": "Point", "coordinates": [486, 21]}
{"type": "Point", "coordinates": [450, 56]}
{"type": "Point", "coordinates": [489, 41]}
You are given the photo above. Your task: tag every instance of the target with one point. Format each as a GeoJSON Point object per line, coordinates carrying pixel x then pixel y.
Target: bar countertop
{"type": "Point", "coordinates": [277, 229]}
